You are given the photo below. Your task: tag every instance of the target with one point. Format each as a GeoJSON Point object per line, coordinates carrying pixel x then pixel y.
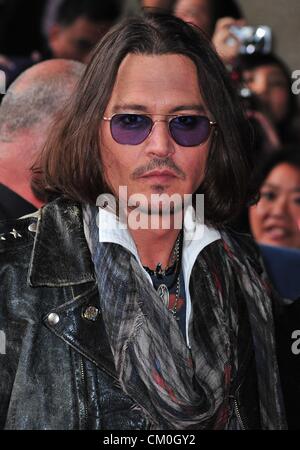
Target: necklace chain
{"type": "Point", "coordinates": [174, 309]}
{"type": "Point", "coordinates": [163, 290]}
{"type": "Point", "coordinates": [159, 271]}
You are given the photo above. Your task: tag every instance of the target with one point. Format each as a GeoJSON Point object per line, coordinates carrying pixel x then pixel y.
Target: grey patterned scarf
{"type": "Point", "coordinates": [177, 387]}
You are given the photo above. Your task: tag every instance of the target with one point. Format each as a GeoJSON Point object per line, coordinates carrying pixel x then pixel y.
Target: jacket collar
{"type": "Point", "coordinates": [59, 231]}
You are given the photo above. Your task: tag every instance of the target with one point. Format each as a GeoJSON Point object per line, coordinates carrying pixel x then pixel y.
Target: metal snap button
{"type": "Point", "coordinates": [53, 318]}
{"type": "Point", "coordinates": [32, 227]}
{"type": "Point", "coordinates": [90, 313]}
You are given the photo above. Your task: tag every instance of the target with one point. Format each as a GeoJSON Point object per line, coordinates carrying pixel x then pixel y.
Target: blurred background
{"type": "Point", "coordinates": [284, 19]}
{"type": "Point", "coordinates": [24, 24]}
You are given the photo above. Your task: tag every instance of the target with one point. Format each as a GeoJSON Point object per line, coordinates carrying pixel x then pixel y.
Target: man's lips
{"type": "Point", "coordinates": [159, 175]}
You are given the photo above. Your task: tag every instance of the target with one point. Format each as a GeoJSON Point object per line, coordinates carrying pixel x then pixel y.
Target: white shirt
{"type": "Point", "coordinates": [196, 237]}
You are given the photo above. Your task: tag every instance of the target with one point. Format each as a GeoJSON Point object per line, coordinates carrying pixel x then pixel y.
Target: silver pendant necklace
{"type": "Point", "coordinates": [163, 293]}
{"type": "Point", "coordinates": [163, 290]}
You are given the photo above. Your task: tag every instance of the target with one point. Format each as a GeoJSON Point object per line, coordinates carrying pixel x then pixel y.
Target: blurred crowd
{"type": "Point", "coordinates": [44, 47]}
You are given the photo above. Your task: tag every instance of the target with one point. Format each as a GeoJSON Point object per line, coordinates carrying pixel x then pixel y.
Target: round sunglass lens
{"type": "Point", "coordinates": [130, 129]}
{"type": "Point", "coordinates": [190, 131]}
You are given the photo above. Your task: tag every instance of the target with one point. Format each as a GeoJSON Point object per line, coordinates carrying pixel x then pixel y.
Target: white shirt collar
{"type": "Point", "coordinates": [196, 238]}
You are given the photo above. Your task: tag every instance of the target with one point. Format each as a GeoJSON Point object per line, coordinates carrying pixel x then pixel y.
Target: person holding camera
{"type": "Point", "coordinates": [215, 18]}
{"type": "Point", "coordinates": [269, 80]}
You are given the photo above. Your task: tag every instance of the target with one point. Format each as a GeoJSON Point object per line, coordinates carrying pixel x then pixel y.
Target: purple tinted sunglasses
{"type": "Point", "coordinates": [186, 130]}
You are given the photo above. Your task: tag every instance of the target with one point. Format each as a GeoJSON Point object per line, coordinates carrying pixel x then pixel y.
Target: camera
{"type": "Point", "coordinates": [253, 39]}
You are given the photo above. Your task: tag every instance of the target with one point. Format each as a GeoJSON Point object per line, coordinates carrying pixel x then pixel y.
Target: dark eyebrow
{"type": "Point", "coordinates": [142, 108]}
{"type": "Point", "coordinates": [195, 107]}
{"type": "Point", "coordinates": [129, 106]}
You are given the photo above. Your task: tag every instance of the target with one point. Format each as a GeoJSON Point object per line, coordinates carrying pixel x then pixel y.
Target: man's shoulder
{"type": "Point", "coordinates": [56, 219]}
{"type": "Point", "coordinates": [236, 237]}
{"type": "Point", "coordinates": [48, 248]}
{"type": "Point", "coordinates": [243, 240]}
{"type": "Point", "coordinates": [244, 247]}
{"type": "Point", "coordinates": [18, 233]}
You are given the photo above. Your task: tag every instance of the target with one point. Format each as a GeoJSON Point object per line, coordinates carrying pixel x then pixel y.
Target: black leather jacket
{"type": "Point", "coordinates": [58, 372]}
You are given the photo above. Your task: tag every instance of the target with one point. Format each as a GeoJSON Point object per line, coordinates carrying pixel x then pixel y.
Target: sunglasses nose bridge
{"type": "Point", "coordinates": [154, 122]}
{"type": "Point", "coordinates": [161, 142]}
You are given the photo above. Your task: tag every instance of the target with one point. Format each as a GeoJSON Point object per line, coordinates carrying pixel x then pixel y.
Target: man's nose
{"type": "Point", "coordinates": [159, 142]}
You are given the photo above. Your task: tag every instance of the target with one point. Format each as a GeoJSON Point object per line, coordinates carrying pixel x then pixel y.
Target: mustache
{"type": "Point", "coordinates": [158, 163]}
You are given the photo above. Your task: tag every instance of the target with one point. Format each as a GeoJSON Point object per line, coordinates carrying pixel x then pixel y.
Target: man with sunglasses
{"type": "Point", "coordinates": [112, 320]}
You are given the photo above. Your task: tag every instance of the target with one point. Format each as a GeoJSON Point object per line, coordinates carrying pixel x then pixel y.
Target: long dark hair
{"type": "Point", "coordinates": [71, 162]}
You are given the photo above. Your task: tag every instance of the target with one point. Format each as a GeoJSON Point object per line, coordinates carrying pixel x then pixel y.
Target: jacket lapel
{"type": "Point", "coordinates": [61, 260]}
{"type": "Point", "coordinates": [60, 255]}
